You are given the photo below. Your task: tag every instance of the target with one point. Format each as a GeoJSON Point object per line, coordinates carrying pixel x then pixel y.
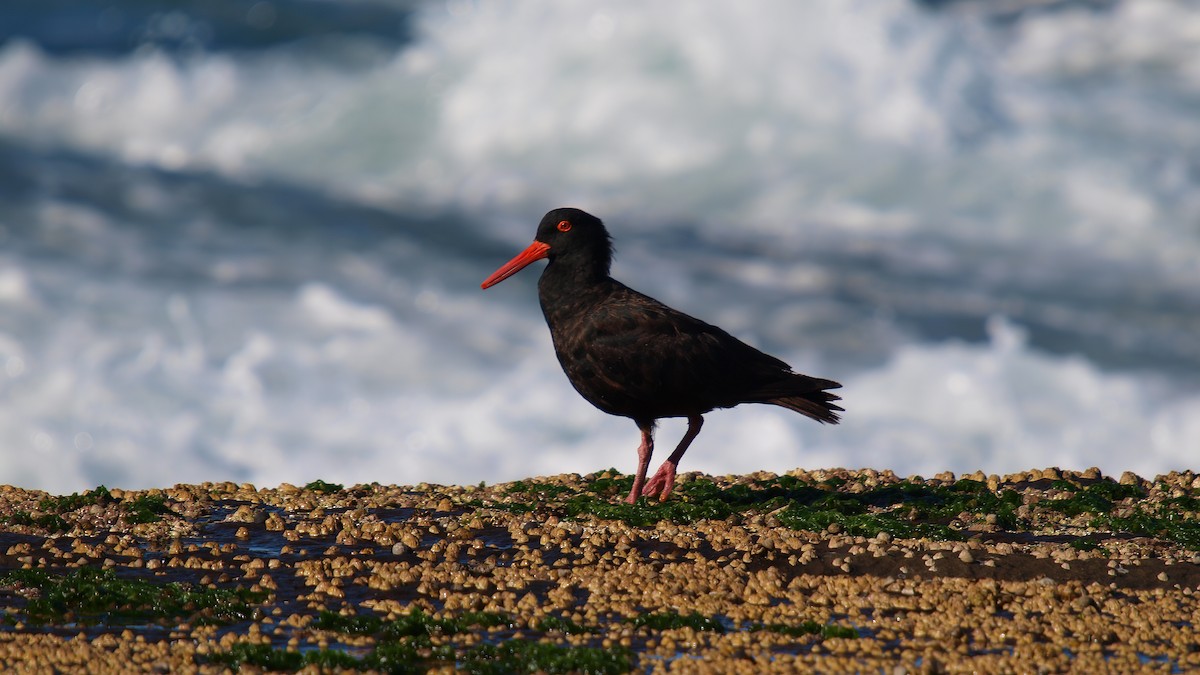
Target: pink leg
{"type": "Point", "coordinates": [664, 479]}
{"type": "Point", "coordinates": [644, 451]}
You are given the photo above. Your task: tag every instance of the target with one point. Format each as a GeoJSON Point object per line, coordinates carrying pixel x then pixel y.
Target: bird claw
{"type": "Point", "coordinates": [661, 484]}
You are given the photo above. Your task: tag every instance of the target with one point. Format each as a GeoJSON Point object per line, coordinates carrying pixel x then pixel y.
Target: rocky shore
{"type": "Point", "coordinates": [828, 570]}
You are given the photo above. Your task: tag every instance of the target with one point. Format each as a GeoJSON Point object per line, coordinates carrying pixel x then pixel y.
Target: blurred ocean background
{"type": "Point", "coordinates": [243, 239]}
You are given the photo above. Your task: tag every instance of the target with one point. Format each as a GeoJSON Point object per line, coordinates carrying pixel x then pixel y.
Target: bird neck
{"type": "Point", "coordinates": [570, 285]}
{"type": "Point", "coordinates": [572, 269]}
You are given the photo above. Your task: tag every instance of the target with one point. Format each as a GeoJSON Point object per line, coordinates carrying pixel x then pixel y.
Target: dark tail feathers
{"type": "Point", "coordinates": [808, 397]}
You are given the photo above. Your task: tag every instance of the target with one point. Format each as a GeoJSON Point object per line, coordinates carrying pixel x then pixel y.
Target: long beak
{"type": "Point", "coordinates": [536, 251]}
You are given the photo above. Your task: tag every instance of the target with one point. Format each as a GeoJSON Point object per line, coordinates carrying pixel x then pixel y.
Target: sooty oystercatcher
{"type": "Point", "coordinates": [630, 355]}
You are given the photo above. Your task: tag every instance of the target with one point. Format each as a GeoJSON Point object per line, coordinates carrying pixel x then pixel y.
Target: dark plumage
{"type": "Point", "coordinates": [630, 355]}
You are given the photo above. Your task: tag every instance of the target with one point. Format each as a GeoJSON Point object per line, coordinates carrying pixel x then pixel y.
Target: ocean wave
{"type": "Point", "coordinates": [257, 258]}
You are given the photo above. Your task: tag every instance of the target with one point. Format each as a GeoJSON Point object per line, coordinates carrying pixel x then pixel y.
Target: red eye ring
{"type": "Point", "coordinates": [564, 226]}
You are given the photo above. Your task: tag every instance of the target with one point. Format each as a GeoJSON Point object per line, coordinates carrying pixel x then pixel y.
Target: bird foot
{"type": "Point", "coordinates": [662, 483]}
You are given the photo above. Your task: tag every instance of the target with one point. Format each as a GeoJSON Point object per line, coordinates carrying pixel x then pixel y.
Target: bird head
{"type": "Point", "coordinates": [576, 237]}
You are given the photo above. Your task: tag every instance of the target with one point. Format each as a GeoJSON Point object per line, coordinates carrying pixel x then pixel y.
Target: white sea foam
{"type": "Point", "coordinates": [856, 185]}
{"type": "Point", "coordinates": [1003, 407]}
{"type": "Point", "coordinates": [347, 394]}
{"type": "Point", "coordinates": [747, 116]}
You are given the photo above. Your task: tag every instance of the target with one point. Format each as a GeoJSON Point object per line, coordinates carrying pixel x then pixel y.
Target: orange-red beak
{"type": "Point", "coordinates": [536, 251]}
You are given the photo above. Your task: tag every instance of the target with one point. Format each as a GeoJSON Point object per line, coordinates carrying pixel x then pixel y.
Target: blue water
{"type": "Point", "coordinates": [244, 240]}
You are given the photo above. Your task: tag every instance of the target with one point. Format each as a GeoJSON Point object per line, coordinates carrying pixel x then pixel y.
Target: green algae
{"type": "Point", "coordinates": [146, 508]}
{"type": "Point", "coordinates": [675, 620]}
{"type": "Point", "coordinates": [1165, 522]}
{"type": "Point", "coordinates": [902, 509]}
{"type": "Point", "coordinates": [323, 487]}
{"type": "Point", "coordinates": [52, 508]}
{"type": "Point", "coordinates": [269, 658]}
{"type": "Point", "coordinates": [1176, 519]}
{"type": "Point", "coordinates": [76, 501]}
{"type": "Point", "coordinates": [90, 595]}
{"type": "Point", "coordinates": [535, 489]}
{"type": "Point", "coordinates": [551, 624]}
{"type": "Point", "coordinates": [825, 630]}
{"type": "Point", "coordinates": [415, 623]}
{"type": "Point", "coordinates": [527, 656]}
{"type": "Point", "coordinates": [405, 645]}
{"type": "Point", "coordinates": [1098, 497]}
{"type": "Point", "coordinates": [671, 620]}
{"type": "Point", "coordinates": [511, 656]}
{"type": "Point", "coordinates": [908, 508]}
{"type": "Point", "coordinates": [51, 522]}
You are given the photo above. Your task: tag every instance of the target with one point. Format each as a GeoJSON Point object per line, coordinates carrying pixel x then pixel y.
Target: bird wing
{"type": "Point", "coordinates": [633, 354]}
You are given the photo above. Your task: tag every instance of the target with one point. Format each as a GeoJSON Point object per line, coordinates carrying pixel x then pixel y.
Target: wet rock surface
{"type": "Point", "coordinates": [832, 570]}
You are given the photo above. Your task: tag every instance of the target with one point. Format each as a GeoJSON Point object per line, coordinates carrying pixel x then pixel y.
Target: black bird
{"type": "Point", "coordinates": [630, 355]}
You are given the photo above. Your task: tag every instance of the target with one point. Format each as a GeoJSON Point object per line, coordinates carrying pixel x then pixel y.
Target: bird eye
{"type": "Point", "coordinates": [564, 226]}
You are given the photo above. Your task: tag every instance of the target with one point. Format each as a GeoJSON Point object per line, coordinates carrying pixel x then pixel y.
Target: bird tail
{"type": "Point", "coordinates": [808, 396]}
